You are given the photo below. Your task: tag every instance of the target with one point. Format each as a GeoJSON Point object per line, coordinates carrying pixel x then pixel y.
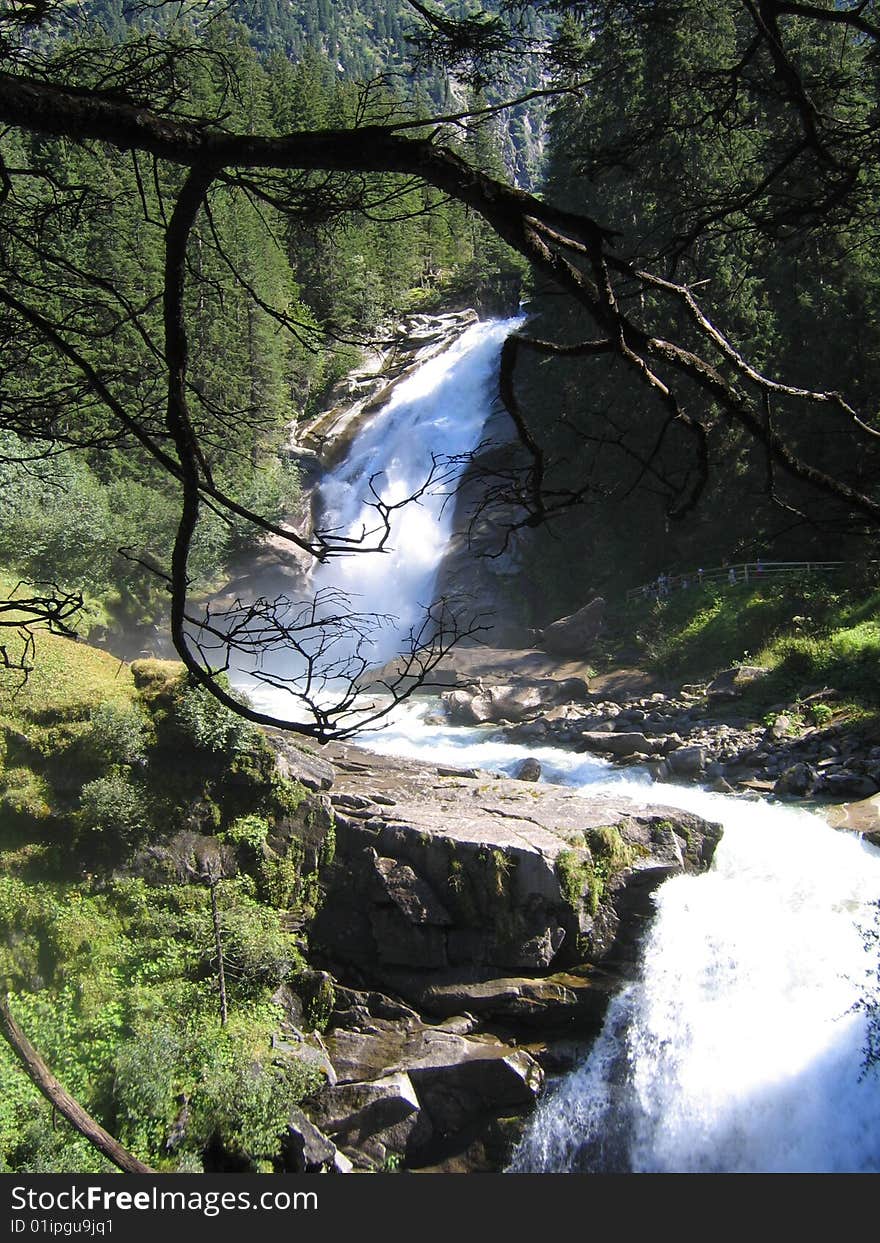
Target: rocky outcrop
{"type": "Point", "coordinates": [407, 1091]}
{"type": "Point", "coordinates": [479, 875]}
{"type": "Point", "coordinates": [575, 635]}
{"type": "Point", "coordinates": [461, 905]}
{"type": "Point", "coordinates": [298, 765]}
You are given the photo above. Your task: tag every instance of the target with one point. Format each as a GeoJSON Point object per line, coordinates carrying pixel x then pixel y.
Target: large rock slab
{"type": "Point", "coordinates": [404, 1085]}
{"type": "Point", "coordinates": [438, 871]}
{"type": "Point", "coordinates": [372, 1119]}
{"type": "Point", "coordinates": [861, 817]}
{"type": "Point", "coordinates": [551, 1003]}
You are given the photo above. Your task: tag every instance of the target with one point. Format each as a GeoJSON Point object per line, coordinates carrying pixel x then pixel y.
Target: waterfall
{"type": "Point", "coordinates": [433, 420]}
{"type": "Point", "coordinates": [438, 411]}
{"type": "Point", "coordinates": [738, 1047]}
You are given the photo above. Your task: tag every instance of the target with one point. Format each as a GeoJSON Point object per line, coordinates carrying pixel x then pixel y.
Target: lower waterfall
{"type": "Point", "coordinates": [739, 1047]}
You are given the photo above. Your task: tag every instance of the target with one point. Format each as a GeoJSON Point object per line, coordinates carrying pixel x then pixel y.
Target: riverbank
{"type": "Point", "coordinates": [719, 733]}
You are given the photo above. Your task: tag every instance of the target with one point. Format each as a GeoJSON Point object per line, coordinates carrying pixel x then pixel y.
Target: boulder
{"type": "Point", "coordinates": [619, 744]}
{"type": "Point", "coordinates": [397, 883]}
{"type": "Point", "coordinates": [686, 761]}
{"type": "Point", "coordinates": [731, 683]}
{"type": "Point", "coordinates": [492, 704]}
{"type": "Point", "coordinates": [528, 769]}
{"type": "Point", "coordinates": [846, 785]}
{"type": "Point", "coordinates": [372, 1119]}
{"type": "Point", "coordinates": [576, 634]}
{"type": "Point", "coordinates": [456, 1077]}
{"type": "Point", "coordinates": [543, 1002]}
{"type": "Point", "coordinates": [306, 1150]}
{"type": "Point", "coordinates": [798, 781]}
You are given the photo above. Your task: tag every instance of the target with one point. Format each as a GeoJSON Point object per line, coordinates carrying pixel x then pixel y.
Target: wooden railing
{"type": "Point", "coordinates": [740, 572]}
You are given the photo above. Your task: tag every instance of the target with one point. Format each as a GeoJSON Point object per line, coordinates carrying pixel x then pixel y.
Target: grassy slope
{"type": "Point", "coordinates": [111, 976]}
{"type": "Point", "coordinates": [813, 635]}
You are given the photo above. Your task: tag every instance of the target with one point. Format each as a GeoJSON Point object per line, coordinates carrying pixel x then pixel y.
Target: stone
{"type": "Point", "coordinates": [552, 1001]}
{"type": "Point", "coordinates": [847, 785]}
{"type": "Point", "coordinates": [528, 769]}
{"type": "Point", "coordinates": [309, 1052]}
{"type": "Point", "coordinates": [492, 704]}
{"type": "Point", "coordinates": [576, 634]}
{"type": "Point", "coordinates": [731, 683]}
{"type": "Point", "coordinates": [618, 744]}
{"type": "Point", "coordinates": [372, 1118]}
{"type": "Point", "coordinates": [798, 781]}
{"type": "Point", "coordinates": [721, 786]}
{"type": "Point", "coordinates": [306, 1150]}
{"type": "Point", "coordinates": [686, 761]}
{"type": "Point", "coordinates": [862, 816]}
{"type": "Point", "coordinates": [454, 1090]}
{"type": "Point", "coordinates": [309, 770]}
{"type": "Point", "coordinates": [529, 731]}
{"type": "Point", "coordinates": [412, 895]}
{"type": "Point", "coordinates": [465, 708]}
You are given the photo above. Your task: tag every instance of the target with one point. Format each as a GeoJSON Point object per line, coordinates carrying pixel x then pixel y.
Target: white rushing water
{"type": "Point", "coordinates": [737, 1049]}
{"type": "Point", "coordinates": [439, 410]}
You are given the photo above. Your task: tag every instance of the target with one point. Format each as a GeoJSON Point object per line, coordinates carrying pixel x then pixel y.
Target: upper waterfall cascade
{"type": "Point", "coordinates": [423, 435]}
{"type": "Point", "coordinates": [437, 414]}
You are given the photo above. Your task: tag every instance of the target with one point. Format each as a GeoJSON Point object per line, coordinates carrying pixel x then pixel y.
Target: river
{"type": "Point", "coordinates": [739, 1046]}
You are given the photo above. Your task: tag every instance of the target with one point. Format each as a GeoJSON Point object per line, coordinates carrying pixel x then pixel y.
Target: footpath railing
{"type": "Point", "coordinates": [741, 572]}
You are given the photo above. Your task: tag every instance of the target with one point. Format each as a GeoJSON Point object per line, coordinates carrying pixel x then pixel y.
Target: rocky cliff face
{"type": "Point", "coordinates": [466, 872]}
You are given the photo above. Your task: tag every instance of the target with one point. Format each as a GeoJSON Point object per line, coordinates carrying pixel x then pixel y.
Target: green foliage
{"type": "Point", "coordinates": [584, 874]}
{"type": "Point", "coordinates": [249, 832]}
{"type": "Point", "coordinates": [575, 874]}
{"type": "Point", "coordinates": [209, 725]}
{"type": "Point", "coordinates": [117, 735]}
{"type": "Point", "coordinates": [114, 812]}
{"type": "Point", "coordinates": [181, 1089]}
{"type": "Point", "coordinates": [683, 142]}
{"type": "Point", "coordinates": [114, 987]}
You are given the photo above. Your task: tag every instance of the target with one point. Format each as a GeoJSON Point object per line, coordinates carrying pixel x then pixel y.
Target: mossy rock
{"type": "Point", "coordinates": [156, 680]}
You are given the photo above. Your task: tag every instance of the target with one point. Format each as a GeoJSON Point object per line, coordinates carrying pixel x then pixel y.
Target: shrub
{"type": "Point", "coordinates": [209, 725]}
{"type": "Point", "coordinates": [117, 735]}
{"type": "Point", "coordinates": [115, 808]}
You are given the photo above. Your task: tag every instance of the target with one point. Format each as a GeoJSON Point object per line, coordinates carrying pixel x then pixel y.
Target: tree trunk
{"type": "Point", "coordinates": [218, 945]}
{"type": "Point", "coordinates": [40, 1075]}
